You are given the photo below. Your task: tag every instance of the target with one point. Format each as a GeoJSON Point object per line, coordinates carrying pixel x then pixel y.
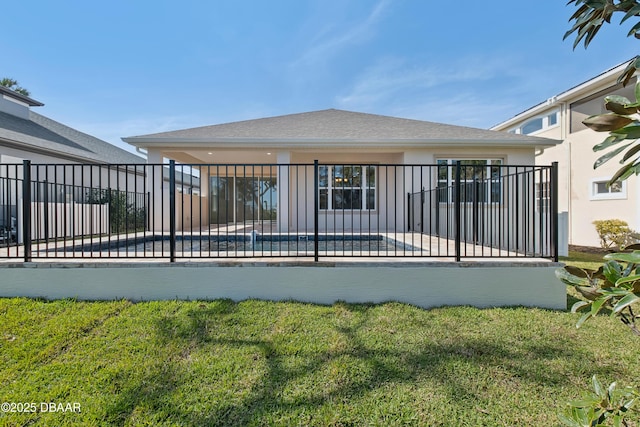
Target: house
{"type": "Point", "coordinates": [372, 169]}
{"type": "Point", "coordinates": [27, 135]}
{"type": "Point", "coordinates": [583, 192]}
{"type": "Point", "coordinates": [313, 206]}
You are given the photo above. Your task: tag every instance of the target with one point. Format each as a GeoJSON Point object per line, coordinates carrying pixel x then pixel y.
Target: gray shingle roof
{"type": "Point", "coordinates": [43, 134]}
{"type": "Point", "coordinates": [338, 125]}
{"type": "Point", "coordinates": [20, 97]}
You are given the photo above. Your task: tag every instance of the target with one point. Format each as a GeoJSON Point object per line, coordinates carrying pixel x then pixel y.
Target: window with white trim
{"type": "Point", "coordinates": [537, 124]}
{"type": "Point", "coordinates": [600, 190]}
{"type": "Point", "coordinates": [543, 196]}
{"type": "Point", "coordinates": [480, 180]}
{"type": "Point", "coordinates": [350, 187]}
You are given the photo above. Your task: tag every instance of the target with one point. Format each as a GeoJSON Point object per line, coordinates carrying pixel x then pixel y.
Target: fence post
{"type": "Point", "coordinates": [457, 211]}
{"type": "Point", "coordinates": [554, 211]}
{"type": "Point", "coordinates": [26, 209]}
{"type": "Point", "coordinates": [172, 211]}
{"type": "Point", "coordinates": [316, 207]}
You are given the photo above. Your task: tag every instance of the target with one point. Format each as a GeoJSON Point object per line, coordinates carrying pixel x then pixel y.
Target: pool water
{"type": "Point", "coordinates": [262, 246]}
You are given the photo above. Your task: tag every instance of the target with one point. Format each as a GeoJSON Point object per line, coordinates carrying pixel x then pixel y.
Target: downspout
{"type": "Point", "coordinates": [142, 151]}
{"type": "Point", "coordinates": [564, 135]}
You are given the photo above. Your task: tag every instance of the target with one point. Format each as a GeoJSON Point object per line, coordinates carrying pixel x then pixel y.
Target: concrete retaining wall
{"type": "Point", "coordinates": [482, 284]}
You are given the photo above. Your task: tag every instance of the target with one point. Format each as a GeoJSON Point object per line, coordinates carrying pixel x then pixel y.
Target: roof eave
{"type": "Point", "coordinates": [143, 142]}
{"type": "Point", "coordinates": [20, 97]}
{"type": "Point", "coordinates": [586, 88]}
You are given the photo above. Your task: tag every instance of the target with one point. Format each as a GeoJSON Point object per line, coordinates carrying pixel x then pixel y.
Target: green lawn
{"type": "Point", "coordinates": [266, 363]}
{"type": "Point", "coordinates": [584, 260]}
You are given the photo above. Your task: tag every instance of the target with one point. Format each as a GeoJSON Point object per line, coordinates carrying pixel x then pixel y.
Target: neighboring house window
{"type": "Point", "coordinates": [537, 124]}
{"type": "Point", "coordinates": [531, 126]}
{"type": "Point", "coordinates": [600, 190]}
{"type": "Point", "coordinates": [347, 187]}
{"type": "Point", "coordinates": [480, 180]}
{"type": "Point", "coordinates": [543, 196]}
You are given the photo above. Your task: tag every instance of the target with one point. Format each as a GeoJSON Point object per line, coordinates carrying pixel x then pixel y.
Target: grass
{"type": "Point", "coordinates": [584, 259]}
{"type": "Point", "coordinates": [185, 363]}
{"type": "Point", "coordinates": [267, 363]}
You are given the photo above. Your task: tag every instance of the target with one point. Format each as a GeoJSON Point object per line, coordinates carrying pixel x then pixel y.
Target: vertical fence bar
{"type": "Point", "coordinates": [26, 209]}
{"type": "Point", "coordinates": [172, 211]}
{"type": "Point", "coordinates": [457, 210]}
{"type": "Point", "coordinates": [316, 208]}
{"type": "Point", "coordinates": [554, 211]}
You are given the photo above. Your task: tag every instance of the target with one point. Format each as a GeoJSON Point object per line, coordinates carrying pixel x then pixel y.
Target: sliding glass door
{"type": "Point", "coordinates": [242, 199]}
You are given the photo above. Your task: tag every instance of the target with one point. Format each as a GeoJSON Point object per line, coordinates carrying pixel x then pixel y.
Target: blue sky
{"type": "Point", "coordinates": [132, 67]}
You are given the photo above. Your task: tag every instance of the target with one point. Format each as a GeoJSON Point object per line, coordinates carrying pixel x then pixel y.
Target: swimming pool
{"type": "Point", "coordinates": [249, 244]}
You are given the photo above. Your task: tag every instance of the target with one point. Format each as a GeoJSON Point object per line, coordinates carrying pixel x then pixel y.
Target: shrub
{"type": "Point", "coordinates": [615, 233]}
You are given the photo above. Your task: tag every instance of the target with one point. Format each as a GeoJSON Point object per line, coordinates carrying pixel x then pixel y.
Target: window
{"type": "Point", "coordinates": [600, 190]}
{"type": "Point", "coordinates": [347, 187]}
{"type": "Point", "coordinates": [537, 124]}
{"type": "Point", "coordinates": [532, 126]}
{"type": "Point", "coordinates": [480, 180]}
{"type": "Point", "coordinates": [543, 196]}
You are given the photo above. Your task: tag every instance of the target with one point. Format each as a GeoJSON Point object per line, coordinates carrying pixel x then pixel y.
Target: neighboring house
{"type": "Point", "coordinates": [583, 192]}
{"type": "Point", "coordinates": [369, 165]}
{"type": "Point", "coordinates": [26, 135]}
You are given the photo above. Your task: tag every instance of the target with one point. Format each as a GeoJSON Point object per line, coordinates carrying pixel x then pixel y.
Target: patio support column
{"type": "Point", "coordinates": [204, 197]}
{"type": "Point", "coordinates": [283, 159]}
{"type": "Point", "coordinates": [157, 220]}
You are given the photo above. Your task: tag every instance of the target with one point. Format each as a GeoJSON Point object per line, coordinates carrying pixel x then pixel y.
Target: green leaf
{"type": "Point", "coordinates": [571, 279]}
{"type": "Point", "coordinates": [619, 105]}
{"type": "Point", "coordinates": [609, 141]}
{"type": "Point", "coordinates": [583, 319]}
{"type": "Point", "coordinates": [597, 387]}
{"type": "Point", "coordinates": [606, 122]}
{"type": "Point", "coordinates": [628, 279]}
{"type": "Point", "coordinates": [578, 305]}
{"type": "Point", "coordinates": [623, 173]}
{"type": "Point", "coordinates": [633, 257]}
{"type": "Point", "coordinates": [634, 30]}
{"type": "Point", "coordinates": [628, 72]}
{"type": "Point", "coordinates": [579, 272]}
{"type": "Point", "coordinates": [628, 132]}
{"type": "Point", "coordinates": [625, 302]}
{"type": "Point", "coordinates": [602, 160]}
{"type": "Point", "coordinates": [630, 153]}
{"type": "Point", "coordinates": [630, 13]}
{"type": "Point", "coordinates": [597, 305]}
{"type": "Point", "coordinates": [612, 271]}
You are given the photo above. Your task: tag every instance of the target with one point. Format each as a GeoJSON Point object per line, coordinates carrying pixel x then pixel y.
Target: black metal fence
{"type": "Point", "coordinates": [463, 209]}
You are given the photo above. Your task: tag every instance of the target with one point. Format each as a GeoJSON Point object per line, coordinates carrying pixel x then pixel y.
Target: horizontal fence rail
{"type": "Point", "coordinates": [464, 209]}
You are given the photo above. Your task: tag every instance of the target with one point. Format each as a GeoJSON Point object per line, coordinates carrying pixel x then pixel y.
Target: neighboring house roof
{"type": "Point", "coordinates": [578, 91]}
{"type": "Point", "coordinates": [37, 133]}
{"type": "Point", "coordinates": [20, 97]}
{"type": "Point", "coordinates": [334, 128]}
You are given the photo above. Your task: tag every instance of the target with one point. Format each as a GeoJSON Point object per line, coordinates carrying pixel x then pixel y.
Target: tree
{"type": "Point", "coordinates": [12, 84]}
{"type": "Point", "coordinates": [623, 121]}
{"type": "Point", "coordinates": [615, 285]}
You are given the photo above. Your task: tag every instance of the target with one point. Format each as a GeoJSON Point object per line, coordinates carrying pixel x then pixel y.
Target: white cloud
{"type": "Point", "coordinates": [393, 75]}
{"type": "Point", "coordinates": [329, 41]}
{"type": "Point", "coordinates": [474, 91]}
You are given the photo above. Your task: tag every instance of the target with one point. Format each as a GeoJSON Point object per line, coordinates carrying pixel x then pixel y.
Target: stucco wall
{"type": "Point", "coordinates": [575, 157]}
{"type": "Point", "coordinates": [424, 285]}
